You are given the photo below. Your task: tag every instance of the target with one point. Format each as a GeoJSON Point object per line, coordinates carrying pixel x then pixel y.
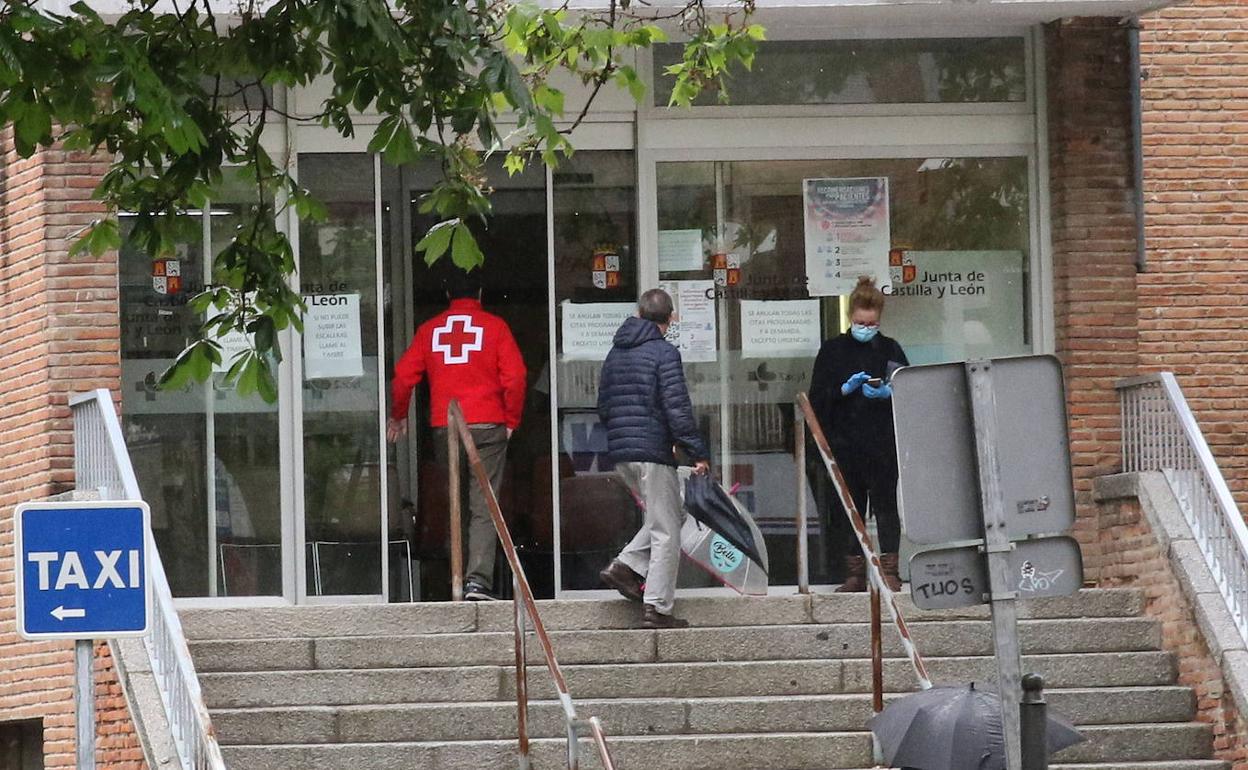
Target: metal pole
{"type": "Point", "coordinates": [997, 547]}
{"type": "Point", "coordinates": [522, 672]}
{"type": "Point", "coordinates": [799, 459]}
{"type": "Point", "coordinates": [84, 702]}
{"type": "Point", "coordinates": [877, 668]}
{"type": "Point", "coordinates": [457, 546]}
{"type": "Point", "coordinates": [1034, 724]}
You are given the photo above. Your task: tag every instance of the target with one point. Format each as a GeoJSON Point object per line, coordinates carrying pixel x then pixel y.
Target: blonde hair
{"type": "Point", "coordinates": [866, 296]}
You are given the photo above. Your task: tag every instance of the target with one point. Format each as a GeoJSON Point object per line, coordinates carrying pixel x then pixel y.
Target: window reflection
{"type": "Point", "coordinates": [900, 71]}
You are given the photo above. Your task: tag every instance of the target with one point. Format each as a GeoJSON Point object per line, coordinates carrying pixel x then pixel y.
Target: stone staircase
{"type": "Point", "coordinates": [781, 683]}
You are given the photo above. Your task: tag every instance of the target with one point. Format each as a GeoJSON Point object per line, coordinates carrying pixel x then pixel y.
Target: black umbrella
{"type": "Point", "coordinates": [953, 727]}
{"type": "Point", "coordinates": [707, 502]}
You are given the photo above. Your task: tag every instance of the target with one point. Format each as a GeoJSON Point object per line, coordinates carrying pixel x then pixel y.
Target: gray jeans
{"type": "Point", "coordinates": [654, 552]}
{"type": "Point", "coordinates": [482, 539]}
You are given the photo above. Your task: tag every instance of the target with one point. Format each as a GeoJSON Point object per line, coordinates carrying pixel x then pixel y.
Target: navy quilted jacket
{"type": "Point", "coordinates": [643, 399]}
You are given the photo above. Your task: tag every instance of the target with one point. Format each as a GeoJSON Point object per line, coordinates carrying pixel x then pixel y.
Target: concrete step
{"type": "Point", "coordinates": [678, 680]}
{"type": "Point", "coordinates": [569, 615]}
{"type": "Point", "coordinates": [787, 751]}
{"type": "Point", "coordinates": [786, 642]}
{"type": "Point", "coordinates": [645, 716]}
{"type": "Point", "coordinates": [760, 751]}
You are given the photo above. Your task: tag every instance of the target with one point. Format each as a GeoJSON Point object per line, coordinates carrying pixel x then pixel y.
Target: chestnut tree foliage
{"type": "Point", "coordinates": [176, 92]}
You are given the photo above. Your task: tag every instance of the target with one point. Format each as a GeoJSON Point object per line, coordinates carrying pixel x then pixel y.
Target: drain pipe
{"type": "Point", "coordinates": [1136, 75]}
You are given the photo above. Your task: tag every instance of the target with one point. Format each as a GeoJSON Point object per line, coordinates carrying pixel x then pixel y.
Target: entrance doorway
{"type": "Point", "coordinates": [516, 288]}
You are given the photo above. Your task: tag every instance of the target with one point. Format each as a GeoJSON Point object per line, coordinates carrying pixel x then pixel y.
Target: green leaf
{"type": "Point", "coordinates": [437, 240]}
{"type": "Point", "coordinates": [102, 236]}
{"type": "Point", "coordinates": [465, 252]}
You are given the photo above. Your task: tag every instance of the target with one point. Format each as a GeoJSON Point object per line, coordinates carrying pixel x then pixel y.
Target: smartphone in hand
{"type": "Point", "coordinates": [875, 382]}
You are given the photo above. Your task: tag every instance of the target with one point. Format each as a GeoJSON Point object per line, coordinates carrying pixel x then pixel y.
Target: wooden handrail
{"type": "Point", "coordinates": [879, 589]}
{"type": "Point", "coordinates": [524, 603]}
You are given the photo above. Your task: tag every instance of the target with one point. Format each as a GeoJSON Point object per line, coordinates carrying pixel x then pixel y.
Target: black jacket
{"type": "Point", "coordinates": [854, 422]}
{"type": "Point", "coordinates": [643, 399]}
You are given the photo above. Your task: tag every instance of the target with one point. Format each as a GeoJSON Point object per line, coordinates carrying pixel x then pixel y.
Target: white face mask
{"type": "Point", "coordinates": [863, 333]}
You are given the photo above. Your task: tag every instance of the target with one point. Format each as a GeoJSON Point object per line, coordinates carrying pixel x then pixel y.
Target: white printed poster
{"type": "Point", "coordinates": [780, 328]}
{"type": "Point", "coordinates": [680, 250]}
{"type": "Point", "coordinates": [693, 327]}
{"type": "Point", "coordinates": [948, 306]}
{"type": "Point", "coordinates": [589, 327]}
{"type": "Point", "coordinates": [847, 233]}
{"type": "Point", "coordinates": [331, 337]}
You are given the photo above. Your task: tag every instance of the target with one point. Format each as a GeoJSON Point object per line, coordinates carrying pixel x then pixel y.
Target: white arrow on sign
{"type": "Point", "coordinates": [60, 613]}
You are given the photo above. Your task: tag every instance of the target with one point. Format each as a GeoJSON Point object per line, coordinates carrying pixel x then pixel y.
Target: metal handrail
{"type": "Point", "coordinates": [523, 602]}
{"type": "Point", "coordinates": [102, 463]}
{"type": "Point", "coordinates": [1160, 433]}
{"type": "Point", "coordinates": [880, 592]}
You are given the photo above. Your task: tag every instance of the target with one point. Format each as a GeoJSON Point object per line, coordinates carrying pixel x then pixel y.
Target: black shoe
{"type": "Point", "coordinates": [621, 577]}
{"type": "Point", "coordinates": [475, 592]}
{"type": "Point", "coordinates": [652, 618]}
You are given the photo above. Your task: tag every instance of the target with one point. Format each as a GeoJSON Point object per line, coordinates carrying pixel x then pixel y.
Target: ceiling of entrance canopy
{"type": "Point", "coordinates": [827, 16]}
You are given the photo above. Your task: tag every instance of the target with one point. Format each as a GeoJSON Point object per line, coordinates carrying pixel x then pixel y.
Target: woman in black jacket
{"type": "Point", "coordinates": [852, 398]}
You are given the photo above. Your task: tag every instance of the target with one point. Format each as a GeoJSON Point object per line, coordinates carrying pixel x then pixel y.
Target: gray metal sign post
{"type": "Point", "coordinates": [84, 702]}
{"type": "Point", "coordinates": [997, 548]}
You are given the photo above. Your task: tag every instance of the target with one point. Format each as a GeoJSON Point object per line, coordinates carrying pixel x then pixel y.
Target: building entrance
{"type": "Point", "coordinates": [516, 288]}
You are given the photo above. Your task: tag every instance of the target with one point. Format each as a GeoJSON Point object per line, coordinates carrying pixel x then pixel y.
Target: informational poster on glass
{"type": "Point", "coordinates": [693, 325]}
{"type": "Point", "coordinates": [588, 328]}
{"type": "Point", "coordinates": [847, 233]}
{"type": "Point", "coordinates": [232, 343]}
{"type": "Point", "coordinates": [331, 337]}
{"type": "Point", "coordinates": [957, 305]}
{"type": "Point", "coordinates": [780, 328]}
{"type": "Point", "coordinates": [680, 250]}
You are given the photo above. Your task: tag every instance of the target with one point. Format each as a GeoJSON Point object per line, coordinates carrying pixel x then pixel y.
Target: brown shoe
{"type": "Point", "coordinates": [621, 577]}
{"type": "Point", "coordinates": [888, 566]}
{"type": "Point", "coordinates": [855, 575]}
{"type": "Point", "coordinates": [652, 618]}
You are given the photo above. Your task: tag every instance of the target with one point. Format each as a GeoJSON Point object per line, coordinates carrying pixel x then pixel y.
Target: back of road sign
{"type": "Point", "coordinates": [82, 570]}
{"type": "Point", "coordinates": [939, 488]}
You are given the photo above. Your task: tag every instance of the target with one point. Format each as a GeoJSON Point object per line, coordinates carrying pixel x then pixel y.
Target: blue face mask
{"type": "Point", "coordinates": [863, 333]}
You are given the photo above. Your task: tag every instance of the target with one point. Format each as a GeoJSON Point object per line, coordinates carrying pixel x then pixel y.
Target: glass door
{"type": "Point", "coordinates": [344, 480]}
{"type": "Point", "coordinates": [516, 289]}
{"type": "Point", "coordinates": [731, 251]}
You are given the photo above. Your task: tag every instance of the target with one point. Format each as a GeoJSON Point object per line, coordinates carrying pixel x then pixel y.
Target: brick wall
{"type": "Point", "coordinates": [58, 335]}
{"type": "Point", "coordinates": [1132, 557]}
{"type": "Point", "coordinates": [1194, 295]}
{"type": "Point", "coordinates": [1094, 245]}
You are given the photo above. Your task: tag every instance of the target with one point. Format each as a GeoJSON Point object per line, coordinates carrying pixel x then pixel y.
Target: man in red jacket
{"type": "Point", "coordinates": [470, 356]}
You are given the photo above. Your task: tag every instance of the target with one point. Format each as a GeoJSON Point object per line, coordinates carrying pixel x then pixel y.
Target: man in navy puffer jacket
{"type": "Point", "coordinates": [644, 402]}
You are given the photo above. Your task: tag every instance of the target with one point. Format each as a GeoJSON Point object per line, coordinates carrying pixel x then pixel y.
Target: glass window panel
{"type": "Point", "coordinates": [211, 472]}
{"type": "Point", "coordinates": [341, 439]}
{"type": "Point", "coordinates": [898, 71]}
{"type": "Point", "coordinates": [594, 221]}
{"type": "Point", "coordinates": [960, 226]}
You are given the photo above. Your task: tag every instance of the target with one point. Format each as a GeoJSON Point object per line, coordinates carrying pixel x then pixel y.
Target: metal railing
{"type": "Point", "coordinates": [804, 419]}
{"type": "Point", "coordinates": [1160, 433]}
{"type": "Point", "coordinates": [101, 463]}
{"type": "Point", "coordinates": [523, 602]}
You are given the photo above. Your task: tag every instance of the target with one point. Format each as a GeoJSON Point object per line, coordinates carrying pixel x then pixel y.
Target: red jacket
{"type": "Point", "coordinates": [468, 355]}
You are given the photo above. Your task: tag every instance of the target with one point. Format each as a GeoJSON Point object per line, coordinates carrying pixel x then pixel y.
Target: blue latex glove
{"type": "Point", "coordinates": [884, 391]}
{"type": "Point", "coordinates": [854, 382]}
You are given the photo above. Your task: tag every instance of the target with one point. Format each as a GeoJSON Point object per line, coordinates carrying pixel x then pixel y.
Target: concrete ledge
{"type": "Point", "coordinates": [1165, 517]}
{"type": "Point", "coordinates": [138, 684]}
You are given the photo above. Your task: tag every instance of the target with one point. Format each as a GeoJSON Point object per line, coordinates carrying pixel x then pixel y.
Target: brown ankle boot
{"type": "Point", "coordinates": [888, 566]}
{"type": "Point", "coordinates": [855, 575]}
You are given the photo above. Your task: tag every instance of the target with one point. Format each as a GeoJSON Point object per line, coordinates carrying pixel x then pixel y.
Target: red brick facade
{"type": "Point", "coordinates": [60, 334]}
{"type": "Point", "coordinates": [1094, 245]}
{"type": "Point", "coordinates": [1132, 557]}
{"type": "Point", "coordinates": [1194, 294]}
